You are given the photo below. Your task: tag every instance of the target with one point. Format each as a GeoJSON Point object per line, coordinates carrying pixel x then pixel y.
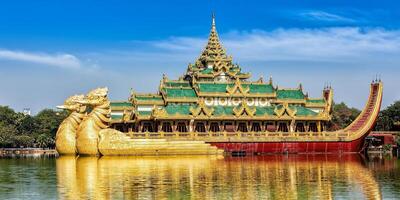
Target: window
{"type": "Point", "coordinates": [282, 127]}
{"type": "Point", "coordinates": [166, 127]}
{"type": "Point", "coordinates": [242, 127]}
{"type": "Point", "coordinates": [214, 127]}
{"type": "Point", "coordinates": [300, 127]}
{"type": "Point", "coordinates": [147, 127]}
{"type": "Point", "coordinates": [270, 126]}
{"type": "Point", "coordinates": [229, 127]}
{"type": "Point", "coordinates": [256, 127]}
{"type": "Point", "coordinates": [181, 127]}
{"type": "Point", "coordinates": [312, 127]}
{"type": "Point", "coordinates": [200, 127]}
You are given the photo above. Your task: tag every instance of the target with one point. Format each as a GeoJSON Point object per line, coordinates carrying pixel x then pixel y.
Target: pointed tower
{"type": "Point", "coordinates": [213, 62]}
{"type": "Point", "coordinates": [214, 55]}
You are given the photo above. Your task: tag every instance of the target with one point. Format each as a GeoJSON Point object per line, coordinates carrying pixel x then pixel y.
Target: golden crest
{"type": "Point", "coordinates": [237, 88]}
{"type": "Point", "coordinates": [201, 109]}
{"type": "Point", "coordinates": [244, 109]}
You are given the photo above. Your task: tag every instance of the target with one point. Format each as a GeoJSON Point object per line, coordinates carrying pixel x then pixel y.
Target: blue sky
{"type": "Point", "coordinates": [52, 49]}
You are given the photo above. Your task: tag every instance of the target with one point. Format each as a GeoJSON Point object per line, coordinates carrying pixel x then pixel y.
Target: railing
{"type": "Point", "coordinates": [239, 136]}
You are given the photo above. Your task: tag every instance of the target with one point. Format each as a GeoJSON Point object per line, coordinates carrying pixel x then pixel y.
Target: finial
{"type": "Point", "coordinates": [300, 87]}
{"type": "Point", "coordinates": [261, 80]}
{"type": "Point", "coordinates": [213, 19]}
{"type": "Point", "coordinates": [270, 80]}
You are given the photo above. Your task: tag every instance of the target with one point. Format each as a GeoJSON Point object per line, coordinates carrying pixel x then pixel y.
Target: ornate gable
{"type": "Point", "coordinates": [237, 88]}
{"type": "Point", "coordinates": [244, 110]}
{"type": "Point", "coordinates": [201, 109]}
{"type": "Point", "coordinates": [285, 109]}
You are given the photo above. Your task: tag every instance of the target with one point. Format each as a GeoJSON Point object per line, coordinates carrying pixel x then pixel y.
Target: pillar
{"type": "Point", "coordinates": [191, 126]}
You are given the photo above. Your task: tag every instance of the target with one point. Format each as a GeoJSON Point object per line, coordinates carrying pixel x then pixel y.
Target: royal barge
{"type": "Point", "coordinates": [213, 108]}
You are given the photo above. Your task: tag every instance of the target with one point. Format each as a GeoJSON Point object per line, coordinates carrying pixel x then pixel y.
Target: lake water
{"type": "Point", "coordinates": [201, 177]}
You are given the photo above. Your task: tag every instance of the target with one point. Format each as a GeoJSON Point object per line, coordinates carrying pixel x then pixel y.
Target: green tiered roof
{"type": "Point", "coordinates": [303, 111]}
{"type": "Point", "coordinates": [149, 98]}
{"type": "Point", "coordinates": [318, 101]}
{"type": "Point", "coordinates": [179, 92]}
{"type": "Point", "coordinates": [215, 87]}
{"type": "Point", "coordinates": [177, 84]}
{"type": "Point", "coordinates": [178, 109]}
{"type": "Point", "coordinates": [289, 94]}
{"type": "Point", "coordinates": [121, 104]}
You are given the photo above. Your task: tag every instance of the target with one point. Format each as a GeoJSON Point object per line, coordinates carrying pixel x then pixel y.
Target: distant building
{"type": "Point", "coordinates": [26, 111]}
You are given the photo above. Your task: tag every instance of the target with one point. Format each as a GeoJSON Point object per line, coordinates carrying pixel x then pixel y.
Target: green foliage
{"type": "Point", "coordinates": [342, 116]}
{"type": "Point", "coordinates": [388, 117]}
{"type": "Point", "coordinates": [23, 141]}
{"type": "Point", "coordinates": [7, 132]}
{"type": "Point", "coordinates": [18, 130]}
{"type": "Point", "coordinates": [387, 147]}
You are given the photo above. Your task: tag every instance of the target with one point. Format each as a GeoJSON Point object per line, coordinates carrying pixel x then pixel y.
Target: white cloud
{"type": "Point", "coordinates": [324, 16]}
{"type": "Point", "coordinates": [58, 60]}
{"type": "Point", "coordinates": [327, 44]}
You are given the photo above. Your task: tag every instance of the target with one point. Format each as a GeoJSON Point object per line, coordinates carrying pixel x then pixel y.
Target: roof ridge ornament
{"type": "Point", "coordinates": [244, 109]}
{"type": "Point", "coordinates": [237, 88]}
{"type": "Point", "coordinates": [201, 108]}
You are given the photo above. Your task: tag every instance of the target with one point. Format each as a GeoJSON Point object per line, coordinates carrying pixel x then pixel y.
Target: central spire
{"type": "Point", "coordinates": [214, 53]}
{"type": "Point", "coordinates": [213, 61]}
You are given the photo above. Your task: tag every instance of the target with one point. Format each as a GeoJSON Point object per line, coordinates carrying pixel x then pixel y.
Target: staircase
{"type": "Point", "coordinates": [367, 113]}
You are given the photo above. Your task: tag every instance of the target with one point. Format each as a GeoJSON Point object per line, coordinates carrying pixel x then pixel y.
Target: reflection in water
{"type": "Point", "coordinates": [216, 177]}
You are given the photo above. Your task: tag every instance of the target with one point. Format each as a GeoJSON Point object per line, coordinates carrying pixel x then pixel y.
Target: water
{"type": "Point", "coordinates": [201, 177]}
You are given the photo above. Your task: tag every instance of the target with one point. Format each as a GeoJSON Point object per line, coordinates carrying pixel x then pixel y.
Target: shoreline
{"type": "Point", "coordinates": [26, 152]}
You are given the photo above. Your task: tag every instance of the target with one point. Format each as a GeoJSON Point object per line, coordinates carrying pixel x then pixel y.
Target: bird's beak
{"type": "Point", "coordinates": [61, 107]}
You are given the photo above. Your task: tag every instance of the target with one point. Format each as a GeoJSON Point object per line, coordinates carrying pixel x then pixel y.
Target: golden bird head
{"type": "Point", "coordinates": [96, 97]}
{"type": "Point", "coordinates": [73, 103]}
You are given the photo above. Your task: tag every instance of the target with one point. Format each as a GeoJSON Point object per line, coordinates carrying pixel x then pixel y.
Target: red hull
{"type": "Point", "coordinates": [354, 146]}
{"type": "Point", "coordinates": [291, 147]}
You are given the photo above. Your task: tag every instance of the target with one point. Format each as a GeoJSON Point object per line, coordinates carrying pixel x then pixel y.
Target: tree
{"type": "Point", "coordinates": [27, 126]}
{"type": "Point", "coordinates": [45, 141]}
{"type": "Point", "coordinates": [7, 132]}
{"type": "Point", "coordinates": [18, 130]}
{"type": "Point", "coordinates": [23, 141]}
{"type": "Point", "coordinates": [388, 117]}
{"type": "Point", "coordinates": [342, 116]}
{"type": "Point", "coordinates": [48, 121]}
{"type": "Point", "coordinates": [7, 115]}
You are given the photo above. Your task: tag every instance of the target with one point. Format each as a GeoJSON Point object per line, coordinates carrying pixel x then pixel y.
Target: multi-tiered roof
{"type": "Point", "coordinates": [215, 88]}
{"type": "Point", "coordinates": [214, 62]}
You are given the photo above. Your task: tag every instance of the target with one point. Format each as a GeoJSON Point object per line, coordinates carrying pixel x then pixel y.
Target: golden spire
{"type": "Point", "coordinates": [213, 61]}
{"type": "Point", "coordinates": [214, 54]}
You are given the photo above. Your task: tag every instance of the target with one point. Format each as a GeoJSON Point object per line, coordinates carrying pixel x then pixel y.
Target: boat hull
{"type": "Point", "coordinates": [354, 146]}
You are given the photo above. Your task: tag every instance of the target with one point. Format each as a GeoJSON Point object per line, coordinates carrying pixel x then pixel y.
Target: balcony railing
{"type": "Point", "coordinates": [242, 136]}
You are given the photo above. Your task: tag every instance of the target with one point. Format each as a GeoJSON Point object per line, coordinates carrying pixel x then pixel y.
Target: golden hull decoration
{"type": "Point", "coordinates": [114, 143]}
{"type": "Point", "coordinates": [86, 142]}
{"type": "Point", "coordinates": [66, 136]}
{"type": "Point", "coordinates": [96, 120]}
{"type": "Point", "coordinates": [66, 133]}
